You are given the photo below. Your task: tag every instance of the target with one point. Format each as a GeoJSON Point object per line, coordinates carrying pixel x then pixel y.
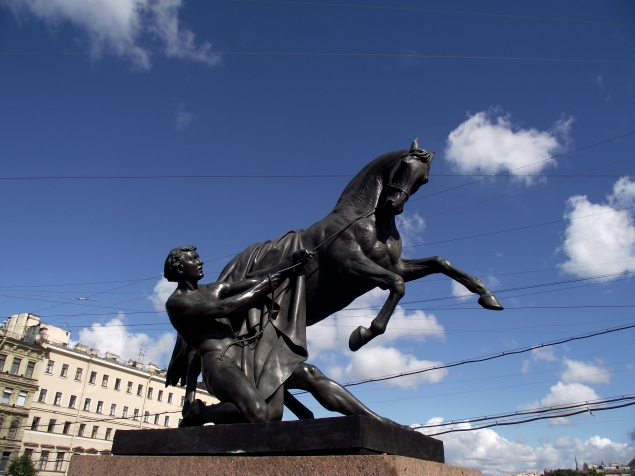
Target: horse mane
{"type": "Point", "coordinates": [365, 188]}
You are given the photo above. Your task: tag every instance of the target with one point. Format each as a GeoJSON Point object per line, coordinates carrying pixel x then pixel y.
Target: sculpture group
{"type": "Point", "coordinates": [246, 332]}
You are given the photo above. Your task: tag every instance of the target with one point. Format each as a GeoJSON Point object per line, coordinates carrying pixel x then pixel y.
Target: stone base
{"type": "Point", "coordinates": [350, 435]}
{"type": "Point", "coordinates": [381, 465]}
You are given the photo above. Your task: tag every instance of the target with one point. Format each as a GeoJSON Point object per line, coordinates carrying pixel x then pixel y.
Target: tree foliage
{"type": "Point", "coordinates": [23, 466]}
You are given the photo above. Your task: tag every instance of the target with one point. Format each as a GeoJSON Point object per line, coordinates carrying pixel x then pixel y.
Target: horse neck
{"type": "Point", "coordinates": [363, 192]}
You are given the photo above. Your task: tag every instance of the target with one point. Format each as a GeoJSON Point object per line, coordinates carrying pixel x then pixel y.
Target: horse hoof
{"type": "Point", "coordinates": [489, 301]}
{"type": "Point", "coordinates": [356, 341]}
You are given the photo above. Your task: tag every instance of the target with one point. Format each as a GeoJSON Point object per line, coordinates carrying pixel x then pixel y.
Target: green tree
{"type": "Point", "coordinates": [23, 466]}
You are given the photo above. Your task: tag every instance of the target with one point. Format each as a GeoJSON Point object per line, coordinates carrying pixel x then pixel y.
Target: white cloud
{"type": "Point", "coordinates": [411, 227]}
{"type": "Point", "coordinates": [130, 28]}
{"type": "Point", "coordinates": [333, 333]}
{"type": "Point", "coordinates": [460, 291]}
{"type": "Point", "coordinates": [608, 237]}
{"type": "Point", "coordinates": [161, 293]}
{"type": "Point", "coordinates": [489, 143]}
{"type": "Point", "coordinates": [562, 394]}
{"type": "Point", "coordinates": [183, 118]}
{"type": "Point", "coordinates": [494, 455]}
{"type": "Point", "coordinates": [114, 336]}
{"type": "Point", "coordinates": [376, 361]}
{"type": "Point", "coordinates": [541, 353]}
{"type": "Point", "coordinates": [582, 372]}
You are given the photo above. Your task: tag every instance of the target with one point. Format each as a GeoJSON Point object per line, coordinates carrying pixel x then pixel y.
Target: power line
{"type": "Point", "coordinates": [488, 357]}
{"type": "Point", "coordinates": [427, 10]}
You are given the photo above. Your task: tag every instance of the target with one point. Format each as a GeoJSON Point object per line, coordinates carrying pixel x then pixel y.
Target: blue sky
{"type": "Point", "coordinates": [140, 88]}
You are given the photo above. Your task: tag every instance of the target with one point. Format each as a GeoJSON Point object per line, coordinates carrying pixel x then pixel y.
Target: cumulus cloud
{"type": "Point", "coordinates": [183, 118]}
{"type": "Point", "coordinates": [488, 142]}
{"type": "Point", "coordinates": [583, 372]}
{"type": "Point", "coordinates": [459, 291]}
{"type": "Point", "coordinates": [606, 238]}
{"type": "Point", "coordinates": [115, 337]}
{"type": "Point", "coordinates": [488, 451]}
{"type": "Point", "coordinates": [328, 343]}
{"type": "Point", "coordinates": [129, 28]}
{"type": "Point", "coordinates": [562, 394]}
{"type": "Point", "coordinates": [161, 293]}
{"type": "Point", "coordinates": [542, 353]}
{"type": "Point", "coordinates": [367, 363]}
{"type": "Point", "coordinates": [411, 227]}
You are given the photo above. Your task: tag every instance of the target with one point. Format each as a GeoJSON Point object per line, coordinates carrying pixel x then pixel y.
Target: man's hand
{"type": "Point", "coordinates": [302, 256]}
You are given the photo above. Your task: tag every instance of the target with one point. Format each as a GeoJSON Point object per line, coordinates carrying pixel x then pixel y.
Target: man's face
{"type": "Point", "coordinates": [192, 266]}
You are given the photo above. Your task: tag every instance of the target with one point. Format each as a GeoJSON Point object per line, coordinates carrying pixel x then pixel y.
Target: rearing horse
{"type": "Point", "coordinates": [357, 248]}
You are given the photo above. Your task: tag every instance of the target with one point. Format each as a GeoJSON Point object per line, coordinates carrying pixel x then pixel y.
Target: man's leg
{"type": "Point", "coordinates": [330, 394]}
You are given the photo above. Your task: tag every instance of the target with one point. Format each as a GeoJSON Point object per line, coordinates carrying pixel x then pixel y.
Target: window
{"type": "Point", "coordinates": [6, 395]}
{"type": "Point", "coordinates": [160, 396]}
{"type": "Point", "coordinates": [64, 372]}
{"type": "Point", "coordinates": [117, 384]}
{"type": "Point", "coordinates": [59, 461]}
{"type": "Point", "coordinates": [42, 396]}
{"type": "Point", "coordinates": [13, 429]}
{"type": "Point", "coordinates": [129, 388]}
{"type": "Point", "coordinates": [166, 422]}
{"type": "Point", "coordinates": [29, 451]}
{"type": "Point", "coordinates": [156, 419]}
{"type": "Point", "coordinates": [180, 420]}
{"type": "Point", "coordinates": [58, 398]}
{"type": "Point", "coordinates": [82, 427]}
{"type": "Point", "coordinates": [44, 459]}
{"type": "Point", "coordinates": [100, 406]}
{"type": "Point", "coordinates": [78, 374]}
{"type": "Point", "coordinates": [3, 359]}
{"type": "Point", "coordinates": [21, 399]}
{"type": "Point", "coordinates": [5, 460]}
{"type": "Point", "coordinates": [135, 414]}
{"type": "Point", "coordinates": [93, 377]}
{"type": "Point", "coordinates": [124, 412]}
{"type": "Point", "coordinates": [182, 401]}
{"type": "Point", "coordinates": [150, 389]}
{"type": "Point", "coordinates": [72, 401]}
{"type": "Point", "coordinates": [146, 417]}
{"type": "Point", "coordinates": [35, 424]}
{"type": "Point", "coordinates": [93, 434]}
{"type": "Point", "coordinates": [108, 433]}
{"type": "Point", "coordinates": [113, 409]}
{"type": "Point", "coordinates": [104, 381]}
{"type": "Point", "coordinates": [15, 366]}
{"type": "Point", "coordinates": [49, 367]}
{"type": "Point", "coordinates": [67, 428]}
{"type": "Point", "coordinates": [169, 397]}
{"type": "Point", "coordinates": [87, 405]}
{"type": "Point", "coordinates": [51, 427]}
{"type": "Point", "coordinates": [139, 390]}
{"type": "Point", "coordinates": [1, 423]}
{"type": "Point", "coordinates": [30, 366]}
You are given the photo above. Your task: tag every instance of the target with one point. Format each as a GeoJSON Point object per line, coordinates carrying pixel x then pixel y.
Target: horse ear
{"type": "Point", "coordinates": [415, 145]}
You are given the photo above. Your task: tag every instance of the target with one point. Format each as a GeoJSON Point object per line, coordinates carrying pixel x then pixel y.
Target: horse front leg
{"type": "Point", "coordinates": [412, 269]}
{"type": "Point", "coordinates": [362, 268]}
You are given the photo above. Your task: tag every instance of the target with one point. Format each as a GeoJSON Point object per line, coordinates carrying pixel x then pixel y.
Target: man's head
{"type": "Point", "coordinates": [180, 258]}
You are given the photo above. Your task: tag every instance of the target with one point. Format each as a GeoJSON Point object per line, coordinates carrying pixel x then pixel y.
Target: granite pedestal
{"type": "Point", "coordinates": [351, 435]}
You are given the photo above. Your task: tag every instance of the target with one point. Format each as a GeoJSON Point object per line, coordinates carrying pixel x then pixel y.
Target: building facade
{"type": "Point", "coordinates": [20, 363]}
{"type": "Point", "coordinates": [83, 397]}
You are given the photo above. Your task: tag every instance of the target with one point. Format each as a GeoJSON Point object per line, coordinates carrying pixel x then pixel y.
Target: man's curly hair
{"type": "Point", "coordinates": [172, 264]}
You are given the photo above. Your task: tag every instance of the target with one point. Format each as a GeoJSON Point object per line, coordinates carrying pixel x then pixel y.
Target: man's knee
{"type": "Point", "coordinates": [308, 372]}
{"type": "Point", "coordinates": [256, 412]}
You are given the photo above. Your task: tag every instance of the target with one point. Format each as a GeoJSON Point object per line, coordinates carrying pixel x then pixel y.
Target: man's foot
{"type": "Point", "coordinates": [193, 417]}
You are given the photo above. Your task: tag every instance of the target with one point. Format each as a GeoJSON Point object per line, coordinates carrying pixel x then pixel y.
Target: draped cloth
{"type": "Point", "coordinates": [270, 359]}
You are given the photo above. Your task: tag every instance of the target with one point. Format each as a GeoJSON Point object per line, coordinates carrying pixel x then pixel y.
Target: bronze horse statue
{"type": "Point", "coordinates": [357, 247]}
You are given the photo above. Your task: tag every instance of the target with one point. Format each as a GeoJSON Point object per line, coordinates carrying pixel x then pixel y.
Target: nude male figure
{"type": "Point", "coordinates": [205, 318]}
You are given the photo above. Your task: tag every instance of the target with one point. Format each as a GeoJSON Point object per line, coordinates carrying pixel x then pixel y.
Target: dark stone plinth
{"type": "Point", "coordinates": [381, 465]}
{"type": "Point", "coordinates": [352, 435]}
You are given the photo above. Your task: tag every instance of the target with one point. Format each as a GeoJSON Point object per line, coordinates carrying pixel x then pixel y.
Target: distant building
{"type": "Point", "coordinates": [20, 361]}
{"type": "Point", "coordinates": [79, 398]}
{"type": "Point", "coordinates": [611, 468]}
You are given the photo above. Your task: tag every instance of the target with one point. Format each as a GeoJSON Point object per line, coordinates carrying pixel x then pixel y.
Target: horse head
{"type": "Point", "coordinates": [405, 178]}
